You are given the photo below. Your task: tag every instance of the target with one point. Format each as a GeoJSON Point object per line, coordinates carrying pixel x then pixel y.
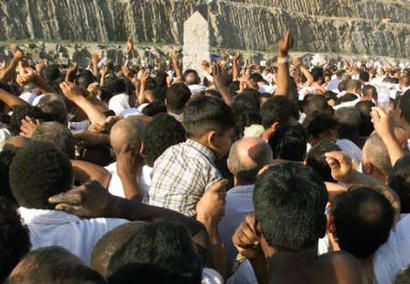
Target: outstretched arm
{"type": "Point", "coordinates": [283, 81]}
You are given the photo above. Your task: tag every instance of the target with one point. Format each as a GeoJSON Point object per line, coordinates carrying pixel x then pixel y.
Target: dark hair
{"type": "Point", "coordinates": [249, 97]}
{"type": "Point", "coordinates": [14, 238]}
{"type": "Point", "coordinates": [38, 172]}
{"type": "Point", "coordinates": [204, 114]}
{"type": "Point", "coordinates": [191, 71]}
{"type": "Point", "coordinates": [54, 110]}
{"type": "Point", "coordinates": [278, 109]}
{"type": "Point", "coordinates": [329, 95]}
{"type": "Point", "coordinates": [53, 265]}
{"type": "Point", "coordinates": [317, 161]}
{"type": "Point", "coordinates": [159, 94]}
{"type": "Point", "coordinates": [58, 135]}
{"type": "Point", "coordinates": [116, 85]}
{"type": "Point", "coordinates": [399, 181]}
{"type": "Point", "coordinates": [370, 90]}
{"type": "Point", "coordinates": [289, 143]}
{"type": "Point", "coordinates": [244, 115]}
{"type": "Point", "coordinates": [313, 105]}
{"type": "Point", "coordinates": [366, 125]}
{"type": "Point", "coordinates": [363, 219]}
{"type": "Point", "coordinates": [160, 252]}
{"type": "Point", "coordinates": [348, 97]}
{"type": "Point", "coordinates": [404, 104]}
{"type": "Point", "coordinates": [20, 112]}
{"type": "Point", "coordinates": [317, 73]}
{"type": "Point", "coordinates": [318, 124]}
{"type": "Point", "coordinates": [161, 80]}
{"type": "Point", "coordinates": [154, 108]}
{"type": "Point", "coordinates": [348, 123]}
{"type": "Point", "coordinates": [256, 77]}
{"type": "Point", "coordinates": [177, 96]}
{"type": "Point", "coordinates": [290, 201]}
{"type": "Point", "coordinates": [364, 76]}
{"type": "Point", "coordinates": [84, 79]}
{"type": "Point", "coordinates": [6, 156]}
{"type": "Point", "coordinates": [161, 133]}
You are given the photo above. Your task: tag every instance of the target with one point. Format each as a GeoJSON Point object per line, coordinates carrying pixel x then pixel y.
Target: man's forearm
{"type": "Point", "coordinates": [282, 79]}
{"type": "Point", "coordinates": [131, 188]}
{"type": "Point", "coordinates": [393, 148]}
{"type": "Point", "coordinates": [10, 100]}
{"type": "Point", "coordinates": [89, 171]}
{"type": "Point", "coordinates": [8, 73]}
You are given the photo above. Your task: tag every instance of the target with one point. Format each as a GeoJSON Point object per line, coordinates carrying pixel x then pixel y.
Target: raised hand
{"type": "Point", "coordinates": [129, 163]}
{"type": "Point", "coordinates": [130, 45]}
{"type": "Point", "coordinates": [245, 237]}
{"type": "Point", "coordinates": [72, 91]}
{"type": "Point", "coordinates": [382, 121]}
{"type": "Point", "coordinates": [220, 77]}
{"type": "Point", "coordinates": [284, 45]}
{"type": "Point", "coordinates": [340, 165]}
{"type": "Point", "coordinates": [28, 126]}
{"type": "Point", "coordinates": [236, 56]}
{"type": "Point", "coordinates": [26, 76]}
{"type": "Point", "coordinates": [18, 54]}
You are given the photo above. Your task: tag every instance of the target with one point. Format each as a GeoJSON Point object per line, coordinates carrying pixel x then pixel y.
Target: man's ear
{"type": "Point", "coordinates": [367, 168]}
{"type": "Point", "coordinates": [142, 149]}
{"type": "Point", "coordinates": [270, 131]}
{"type": "Point", "coordinates": [313, 140]}
{"type": "Point", "coordinates": [258, 230]}
{"type": "Point", "coordinates": [211, 139]}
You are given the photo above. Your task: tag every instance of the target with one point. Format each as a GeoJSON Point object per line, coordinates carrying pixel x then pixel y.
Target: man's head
{"type": "Point", "coordinates": [289, 142]}
{"type": "Point", "coordinates": [161, 133]}
{"type": "Point", "coordinates": [160, 252]}
{"type": "Point", "coordinates": [244, 116]}
{"type": "Point", "coordinates": [53, 265]}
{"type": "Point", "coordinates": [321, 127]}
{"type": "Point", "coordinates": [176, 97]}
{"type": "Point", "coordinates": [362, 219]}
{"type": "Point", "coordinates": [366, 125]}
{"type": "Point", "coordinates": [110, 243]}
{"type": "Point", "coordinates": [38, 172]}
{"type": "Point", "coordinates": [375, 158]}
{"type": "Point", "coordinates": [290, 201]}
{"type": "Point", "coordinates": [14, 238]}
{"type": "Point", "coordinates": [364, 76]}
{"type": "Point", "coordinates": [404, 110]}
{"type": "Point", "coordinates": [84, 79]}
{"type": "Point", "coordinates": [54, 110]}
{"type": "Point", "coordinates": [127, 134]}
{"type": "Point", "coordinates": [313, 105]}
{"type": "Point", "coordinates": [369, 93]}
{"type": "Point", "coordinates": [56, 134]}
{"type": "Point", "coordinates": [348, 123]}
{"type": "Point", "coordinates": [247, 156]}
{"type": "Point", "coordinates": [317, 161]}
{"type": "Point", "coordinates": [353, 86]}
{"type": "Point", "coordinates": [191, 77]}
{"type": "Point", "coordinates": [399, 181]}
{"type": "Point", "coordinates": [19, 113]}
{"type": "Point", "coordinates": [210, 121]}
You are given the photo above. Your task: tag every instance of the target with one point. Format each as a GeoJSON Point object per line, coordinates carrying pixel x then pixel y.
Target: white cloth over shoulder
{"type": "Point", "coordinates": [55, 228]}
{"type": "Point", "coordinates": [119, 103]}
{"type": "Point", "coordinates": [394, 255]}
{"type": "Point", "coordinates": [115, 187]}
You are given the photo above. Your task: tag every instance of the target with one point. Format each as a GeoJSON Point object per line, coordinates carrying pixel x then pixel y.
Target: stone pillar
{"type": "Point", "coordinates": [196, 42]}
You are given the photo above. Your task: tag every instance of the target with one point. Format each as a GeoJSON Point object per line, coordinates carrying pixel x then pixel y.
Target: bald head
{"type": "Point", "coordinates": [110, 243]}
{"type": "Point", "coordinates": [247, 156]}
{"type": "Point", "coordinates": [126, 133]}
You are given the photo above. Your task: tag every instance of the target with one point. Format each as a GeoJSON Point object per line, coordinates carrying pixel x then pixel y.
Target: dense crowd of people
{"type": "Point", "coordinates": [293, 173]}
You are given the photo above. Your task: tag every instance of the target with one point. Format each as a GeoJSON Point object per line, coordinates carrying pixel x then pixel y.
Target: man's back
{"type": "Point", "coordinates": [181, 176]}
{"type": "Point", "coordinates": [54, 228]}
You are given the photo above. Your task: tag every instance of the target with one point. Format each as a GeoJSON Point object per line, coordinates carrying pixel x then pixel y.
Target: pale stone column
{"type": "Point", "coordinates": [196, 42]}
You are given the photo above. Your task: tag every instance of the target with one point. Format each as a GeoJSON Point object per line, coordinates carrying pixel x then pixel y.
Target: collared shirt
{"type": "Point", "coordinates": [238, 204]}
{"type": "Point", "coordinates": [181, 176]}
{"type": "Point", "coordinates": [55, 228]}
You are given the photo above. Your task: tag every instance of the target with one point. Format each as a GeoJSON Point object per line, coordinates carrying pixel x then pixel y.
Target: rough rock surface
{"type": "Point", "coordinates": [373, 27]}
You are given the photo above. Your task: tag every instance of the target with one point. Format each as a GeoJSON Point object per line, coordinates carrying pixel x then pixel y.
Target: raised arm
{"type": "Point", "coordinates": [9, 72]}
{"type": "Point", "coordinates": [220, 79]}
{"type": "Point", "coordinates": [77, 95]}
{"type": "Point", "coordinates": [283, 81]}
{"type": "Point", "coordinates": [382, 122]}
{"type": "Point", "coordinates": [129, 166]}
{"type": "Point", "coordinates": [235, 65]}
{"type": "Point", "coordinates": [10, 99]}
{"type": "Point", "coordinates": [85, 172]}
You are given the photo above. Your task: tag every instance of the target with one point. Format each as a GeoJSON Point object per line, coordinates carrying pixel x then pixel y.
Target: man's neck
{"type": "Point", "coordinates": [238, 181]}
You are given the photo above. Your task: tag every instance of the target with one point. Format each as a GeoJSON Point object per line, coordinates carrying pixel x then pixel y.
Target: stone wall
{"type": "Point", "coordinates": [373, 27]}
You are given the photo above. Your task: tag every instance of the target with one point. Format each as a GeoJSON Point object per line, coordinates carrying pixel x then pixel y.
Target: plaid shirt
{"type": "Point", "coordinates": [181, 176]}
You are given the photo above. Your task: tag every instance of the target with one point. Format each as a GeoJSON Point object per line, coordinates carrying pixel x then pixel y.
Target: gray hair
{"type": "Point", "coordinates": [378, 155]}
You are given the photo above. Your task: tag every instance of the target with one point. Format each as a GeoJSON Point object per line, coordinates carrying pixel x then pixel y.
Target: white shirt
{"type": "Point", "coordinates": [55, 228]}
{"type": "Point", "coordinates": [350, 149]}
{"type": "Point", "coordinates": [119, 103]}
{"type": "Point", "coordinates": [238, 204]}
{"type": "Point", "coordinates": [115, 187]}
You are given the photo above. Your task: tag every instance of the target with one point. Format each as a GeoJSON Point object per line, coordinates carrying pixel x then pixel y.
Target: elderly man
{"type": "Point", "coordinates": [246, 157]}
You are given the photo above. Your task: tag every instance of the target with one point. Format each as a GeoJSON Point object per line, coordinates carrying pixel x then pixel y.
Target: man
{"type": "Point", "coordinates": [246, 157]}
{"type": "Point", "coordinates": [175, 99]}
{"type": "Point", "coordinates": [362, 222]}
{"type": "Point", "coordinates": [282, 239]}
{"type": "Point", "coordinates": [352, 87]}
{"type": "Point", "coordinates": [126, 140]}
{"type": "Point", "coordinates": [185, 171]}
{"type": "Point", "coordinates": [38, 172]}
{"type": "Point", "coordinates": [14, 238]}
{"type": "Point", "coordinates": [53, 265]}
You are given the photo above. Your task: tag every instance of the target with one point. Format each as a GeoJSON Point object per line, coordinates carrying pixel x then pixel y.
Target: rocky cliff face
{"type": "Point", "coordinates": [373, 27]}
